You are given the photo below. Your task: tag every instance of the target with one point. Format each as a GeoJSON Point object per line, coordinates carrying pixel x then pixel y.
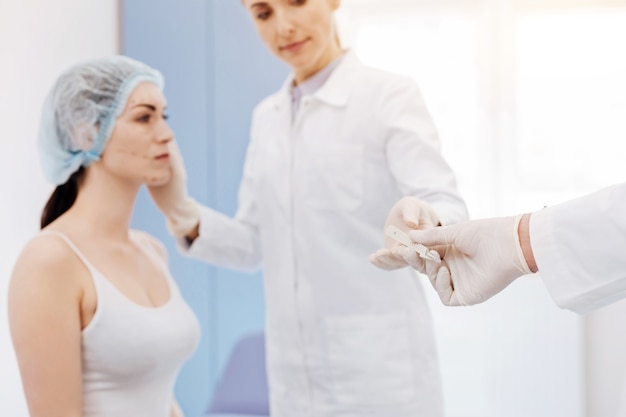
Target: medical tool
{"type": "Point", "coordinates": [401, 237]}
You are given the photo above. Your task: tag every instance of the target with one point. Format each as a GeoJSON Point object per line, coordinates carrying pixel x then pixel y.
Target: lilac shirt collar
{"type": "Point", "coordinates": [311, 85]}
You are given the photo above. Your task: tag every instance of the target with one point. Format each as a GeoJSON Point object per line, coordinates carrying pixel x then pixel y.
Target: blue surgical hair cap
{"type": "Point", "coordinates": [80, 111]}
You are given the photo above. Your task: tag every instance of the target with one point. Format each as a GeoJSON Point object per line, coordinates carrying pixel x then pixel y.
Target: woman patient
{"type": "Point", "coordinates": [98, 324]}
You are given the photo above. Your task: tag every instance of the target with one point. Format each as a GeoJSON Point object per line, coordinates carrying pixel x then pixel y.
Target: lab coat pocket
{"type": "Point", "coordinates": [332, 175]}
{"type": "Point", "coordinates": [370, 361]}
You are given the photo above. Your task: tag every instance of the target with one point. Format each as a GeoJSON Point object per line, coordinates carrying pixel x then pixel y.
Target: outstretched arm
{"type": "Point", "coordinates": [577, 246]}
{"type": "Point", "coordinates": [479, 258]}
{"type": "Point", "coordinates": [202, 232]}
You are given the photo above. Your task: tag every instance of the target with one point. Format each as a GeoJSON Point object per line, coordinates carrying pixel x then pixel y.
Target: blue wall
{"type": "Point", "coordinates": [216, 70]}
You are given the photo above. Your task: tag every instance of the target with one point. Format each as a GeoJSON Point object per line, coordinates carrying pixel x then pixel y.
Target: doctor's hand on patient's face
{"type": "Point", "coordinates": [409, 213]}
{"type": "Point", "coordinates": [479, 259]}
{"type": "Point", "coordinates": [181, 211]}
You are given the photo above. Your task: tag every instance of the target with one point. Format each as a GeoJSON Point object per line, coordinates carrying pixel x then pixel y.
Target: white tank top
{"type": "Point", "coordinates": [131, 354]}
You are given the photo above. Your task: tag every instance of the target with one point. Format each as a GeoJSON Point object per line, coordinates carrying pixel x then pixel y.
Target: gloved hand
{"type": "Point", "coordinates": [409, 213]}
{"type": "Point", "coordinates": [479, 259]}
{"type": "Point", "coordinates": [181, 211]}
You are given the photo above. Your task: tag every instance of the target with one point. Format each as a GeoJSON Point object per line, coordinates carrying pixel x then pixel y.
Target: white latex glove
{"type": "Point", "coordinates": [409, 213]}
{"type": "Point", "coordinates": [181, 211]}
{"type": "Point", "coordinates": [479, 259]}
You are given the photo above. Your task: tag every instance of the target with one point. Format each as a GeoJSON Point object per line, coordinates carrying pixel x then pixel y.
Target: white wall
{"type": "Point", "coordinates": [38, 39]}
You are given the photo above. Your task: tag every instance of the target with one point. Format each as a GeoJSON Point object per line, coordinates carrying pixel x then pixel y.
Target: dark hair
{"type": "Point", "coordinates": [62, 198]}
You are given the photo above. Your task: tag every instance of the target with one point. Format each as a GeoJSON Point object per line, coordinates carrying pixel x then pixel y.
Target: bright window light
{"type": "Point", "coordinates": [571, 102]}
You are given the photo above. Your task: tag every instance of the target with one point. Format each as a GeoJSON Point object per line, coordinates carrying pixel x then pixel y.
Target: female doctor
{"type": "Point", "coordinates": [329, 155]}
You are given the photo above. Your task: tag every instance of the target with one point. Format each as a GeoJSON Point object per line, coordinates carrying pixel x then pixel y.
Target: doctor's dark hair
{"type": "Point", "coordinates": [62, 198]}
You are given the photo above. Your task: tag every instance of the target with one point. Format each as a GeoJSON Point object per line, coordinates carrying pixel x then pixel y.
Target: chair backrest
{"type": "Point", "coordinates": [242, 387]}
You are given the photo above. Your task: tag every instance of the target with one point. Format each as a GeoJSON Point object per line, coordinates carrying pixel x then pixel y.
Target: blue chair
{"type": "Point", "coordinates": [242, 388]}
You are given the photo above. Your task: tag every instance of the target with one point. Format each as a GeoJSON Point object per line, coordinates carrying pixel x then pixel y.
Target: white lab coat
{"type": "Point", "coordinates": [580, 249]}
{"type": "Point", "coordinates": [344, 338]}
